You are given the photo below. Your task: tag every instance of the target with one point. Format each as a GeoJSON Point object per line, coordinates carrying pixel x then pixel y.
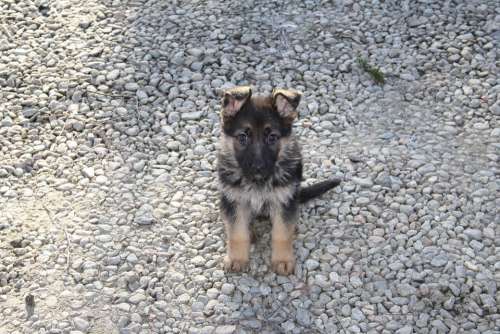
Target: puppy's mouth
{"type": "Point", "coordinates": [258, 178]}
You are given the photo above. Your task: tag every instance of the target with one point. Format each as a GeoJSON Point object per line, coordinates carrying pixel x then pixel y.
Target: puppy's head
{"type": "Point", "coordinates": [257, 128]}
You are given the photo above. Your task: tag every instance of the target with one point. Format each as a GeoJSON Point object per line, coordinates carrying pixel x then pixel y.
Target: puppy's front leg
{"type": "Point", "coordinates": [283, 232]}
{"type": "Point", "coordinates": [238, 238]}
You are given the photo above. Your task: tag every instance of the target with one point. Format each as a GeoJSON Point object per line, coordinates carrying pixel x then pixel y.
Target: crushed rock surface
{"type": "Point", "coordinates": [108, 198]}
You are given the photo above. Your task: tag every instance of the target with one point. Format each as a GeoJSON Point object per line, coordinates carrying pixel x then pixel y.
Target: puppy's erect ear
{"type": "Point", "coordinates": [233, 99]}
{"type": "Point", "coordinates": [286, 102]}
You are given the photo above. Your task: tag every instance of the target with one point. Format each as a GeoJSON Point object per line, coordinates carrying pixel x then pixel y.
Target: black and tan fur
{"type": "Point", "coordinates": [260, 170]}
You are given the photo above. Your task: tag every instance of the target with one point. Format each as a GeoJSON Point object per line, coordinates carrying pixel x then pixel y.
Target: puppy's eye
{"type": "Point", "coordinates": [272, 139]}
{"type": "Point", "coordinates": [243, 139]}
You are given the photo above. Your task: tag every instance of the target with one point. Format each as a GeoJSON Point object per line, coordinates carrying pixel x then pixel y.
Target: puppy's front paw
{"type": "Point", "coordinates": [283, 263]}
{"type": "Point", "coordinates": [235, 265]}
{"type": "Point", "coordinates": [283, 267]}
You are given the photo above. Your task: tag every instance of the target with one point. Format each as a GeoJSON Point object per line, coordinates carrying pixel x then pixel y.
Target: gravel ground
{"type": "Point", "coordinates": [108, 131]}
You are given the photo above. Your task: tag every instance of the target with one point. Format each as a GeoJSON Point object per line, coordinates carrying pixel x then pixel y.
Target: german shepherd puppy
{"type": "Point", "coordinates": [260, 170]}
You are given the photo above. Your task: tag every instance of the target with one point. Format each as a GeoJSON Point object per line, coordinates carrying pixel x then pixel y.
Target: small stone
{"type": "Point", "coordinates": [363, 182]}
{"type": "Point", "coordinates": [473, 233]}
{"type": "Point", "coordinates": [136, 298]}
{"type": "Point", "coordinates": [488, 301]}
{"type": "Point", "coordinates": [88, 172]}
{"type": "Point", "coordinates": [196, 52]}
{"type": "Point", "coordinates": [210, 307]}
{"type": "Point", "coordinates": [144, 215]}
{"type": "Point", "coordinates": [81, 324]}
{"type": "Point", "coordinates": [139, 165]}
{"type": "Point", "coordinates": [227, 289]}
{"type": "Point", "coordinates": [131, 86]}
{"type": "Point", "coordinates": [448, 304]}
{"type": "Point", "coordinates": [346, 310]}
{"type": "Point", "coordinates": [29, 112]}
{"type": "Point", "coordinates": [197, 307]}
{"type": "Point", "coordinates": [123, 307]}
{"type": "Point", "coordinates": [489, 233]}
{"type": "Point", "coordinates": [387, 135]}
{"type": "Point", "coordinates": [162, 158]}
{"type": "Point", "coordinates": [184, 298]}
{"type": "Point", "coordinates": [168, 130]}
{"type": "Point", "coordinates": [357, 314]}
{"type": "Point", "coordinates": [192, 116]}
{"type": "Point", "coordinates": [133, 131]}
{"type": "Point", "coordinates": [71, 144]}
{"type": "Point", "coordinates": [374, 240]}
{"type": "Point", "coordinates": [459, 120]}
{"type": "Point", "coordinates": [173, 117]}
{"type": "Point", "coordinates": [375, 210]}
{"type": "Point", "coordinates": [405, 330]}
{"type": "Point", "coordinates": [196, 66]}
{"type": "Point", "coordinates": [495, 108]}
{"type": "Point", "coordinates": [113, 74]}
{"type": "Point", "coordinates": [427, 168]}
{"type": "Point", "coordinates": [362, 201]}
{"type": "Point", "coordinates": [471, 266]}
{"type": "Point", "coordinates": [78, 125]}
{"type": "Point", "coordinates": [141, 94]}
{"type": "Point", "coordinates": [439, 260]}
{"type": "Point", "coordinates": [198, 261]}
{"type": "Point", "coordinates": [6, 121]}
{"type": "Point", "coordinates": [311, 264]}
{"type": "Point", "coordinates": [481, 125]}
{"type": "Point", "coordinates": [355, 157]}
{"type": "Point", "coordinates": [246, 38]}
{"type": "Point", "coordinates": [303, 317]}
{"type": "Point", "coordinates": [132, 258]}
{"type": "Point", "coordinates": [356, 282]}
{"type": "Point", "coordinates": [226, 329]}
{"type": "Point", "coordinates": [101, 179]}
{"type": "Point", "coordinates": [84, 23]}
{"type": "Point", "coordinates": [173, 145]}
{"type": "Point", "coordinates": [406, 290]}
{"type": "Point", "coordinates": [440, 326]}
{"type": "Point", "coordinates": [288, 326]}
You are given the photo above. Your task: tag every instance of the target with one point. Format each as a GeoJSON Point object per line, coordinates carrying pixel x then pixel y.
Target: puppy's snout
{"type": "Point", "coordinates": [258, 166]}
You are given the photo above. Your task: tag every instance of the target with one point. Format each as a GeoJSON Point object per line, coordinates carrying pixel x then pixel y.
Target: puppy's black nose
{"type": "Point", "coordinates": [259, 166]}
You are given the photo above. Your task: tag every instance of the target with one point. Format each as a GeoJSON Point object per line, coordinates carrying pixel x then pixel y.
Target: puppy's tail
{"type": "Point", "coordinates": [318, 189]}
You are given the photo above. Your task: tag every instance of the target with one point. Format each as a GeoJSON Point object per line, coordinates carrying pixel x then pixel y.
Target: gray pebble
{"type": "Point", "coordinates": [88, 172]}
{"type": "Point", "coordinates": [405, 330]}
{"type": "Point", "coordinates": [81, 324]}
{"type": "Point", "coordinates": [364, 182]}
{"type": "Point", "coordinates": [113, 74]}
{"type": "Point", "coordinates": [495, 108]}
{"type": "Point", "coordinates": [311, 264]}
{"type": "Point", "coordinates": [303, 317]}
{"type": "Point", "coordinates": [131, 86]}
{"type": "Point", "coordinates": [133, 131]}
{"type": "Point", "coordinates": [227, 289]}
{"type": "Point", "coordinates": [144, 215]}
{"type": "Point", "coordinates": [473, 234]}
{"type": "Point", "coordinates": [226, 329]}
{"type": "Point", "coordinates": [439, 260]}
{"type": "Point", "coordinates": [192, 116]}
